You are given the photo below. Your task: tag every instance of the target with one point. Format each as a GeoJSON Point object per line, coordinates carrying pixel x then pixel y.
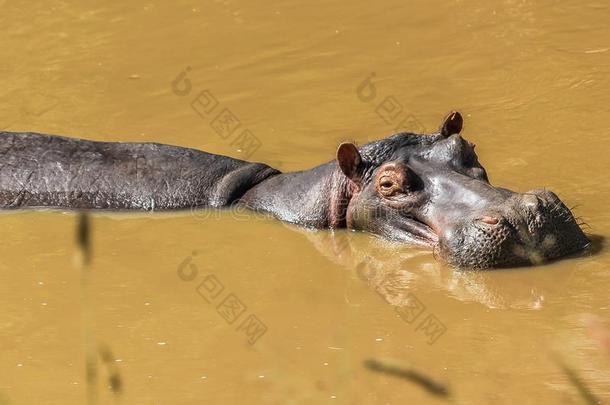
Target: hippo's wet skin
{"type": "Point", "coordinates": [429, 191]}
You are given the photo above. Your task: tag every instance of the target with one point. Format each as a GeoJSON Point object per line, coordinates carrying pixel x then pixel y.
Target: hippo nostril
{"type": "Point", "coordinates": [489, 220]}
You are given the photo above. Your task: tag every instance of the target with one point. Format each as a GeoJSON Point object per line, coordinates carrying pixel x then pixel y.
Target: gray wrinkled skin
{"type": "Point", "coordinates": [534, 234]}
{"type": "Point", "coordinates": [51, 171]}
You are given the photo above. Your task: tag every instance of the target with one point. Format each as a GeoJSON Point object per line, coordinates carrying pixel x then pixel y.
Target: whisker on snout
{"type": "Point", "coordinates": [436, 247]}
{"type": "Point", "coordinates": [573, 208]}
{"type": "Point", "coordinates": [580, 222]}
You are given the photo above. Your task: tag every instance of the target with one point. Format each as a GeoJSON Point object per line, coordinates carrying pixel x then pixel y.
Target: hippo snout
{"type": "Point", "coordinates": [525, 229]}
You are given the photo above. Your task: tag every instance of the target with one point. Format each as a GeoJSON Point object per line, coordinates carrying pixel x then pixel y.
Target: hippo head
{"type": "Point", "coordinates": [432, 191]}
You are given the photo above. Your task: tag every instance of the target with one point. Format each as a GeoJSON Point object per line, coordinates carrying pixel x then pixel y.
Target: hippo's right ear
{"type": "Point", "coordinates": [452, 124]}
{"type": "Point", "coordinates": [349, 160]}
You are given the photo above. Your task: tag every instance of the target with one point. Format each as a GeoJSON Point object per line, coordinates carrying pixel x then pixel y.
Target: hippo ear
{"type": "Point", "coordinates": [452, 124]}
{"type": "Point", "coordinates": [349, 159]}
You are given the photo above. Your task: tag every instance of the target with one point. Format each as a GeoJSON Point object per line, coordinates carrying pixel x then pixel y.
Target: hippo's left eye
{"type": "Point", "coordinates": [388, 186]}
{"type": "Point", "coordinates": [393, 178]}
{"type": "Point", "coordinates": [387, 183]}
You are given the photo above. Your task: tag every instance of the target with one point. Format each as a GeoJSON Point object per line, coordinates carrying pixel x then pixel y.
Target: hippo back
{"type": "Point", "coordinates": [52, 171]}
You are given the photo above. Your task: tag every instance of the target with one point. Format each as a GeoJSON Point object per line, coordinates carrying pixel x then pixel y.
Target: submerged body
{"type": "Point", "coordinates": [425, 190]}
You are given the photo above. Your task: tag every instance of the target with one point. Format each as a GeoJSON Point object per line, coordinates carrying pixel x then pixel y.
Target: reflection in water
{"type": "Point", "coordinates": [397, 272]}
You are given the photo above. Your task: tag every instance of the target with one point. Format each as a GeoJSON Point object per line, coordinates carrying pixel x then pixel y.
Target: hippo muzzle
{"type": "Point", "coordinates": [526, 229]}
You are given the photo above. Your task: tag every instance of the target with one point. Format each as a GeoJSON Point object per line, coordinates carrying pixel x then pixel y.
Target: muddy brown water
{"type": "Point", "coordinates": [532, 79]}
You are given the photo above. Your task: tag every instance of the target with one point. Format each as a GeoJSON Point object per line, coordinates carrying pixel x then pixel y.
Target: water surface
{"type": "Point", "coordinates": [531, 78]}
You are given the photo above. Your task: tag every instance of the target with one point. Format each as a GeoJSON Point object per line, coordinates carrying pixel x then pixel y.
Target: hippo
{"type": "Point", "coordinates": [426, 190]}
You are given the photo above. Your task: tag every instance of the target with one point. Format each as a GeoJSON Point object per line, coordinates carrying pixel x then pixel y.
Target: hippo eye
{"type": "Point", "coordinates": [388, 186]}
{"type": "Point", "coordinates": [392, 178]}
